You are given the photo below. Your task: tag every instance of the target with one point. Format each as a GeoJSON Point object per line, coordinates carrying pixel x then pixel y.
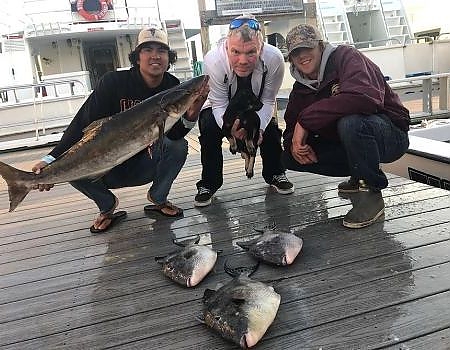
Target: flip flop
{"type": "Point", "coordinates": [115, 219]}
{"type": "Point", "coordinates": [158, 208]}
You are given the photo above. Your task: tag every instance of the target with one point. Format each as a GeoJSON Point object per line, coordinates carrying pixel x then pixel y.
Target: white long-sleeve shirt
{"type": "Point", "coordinates": [221, 76]}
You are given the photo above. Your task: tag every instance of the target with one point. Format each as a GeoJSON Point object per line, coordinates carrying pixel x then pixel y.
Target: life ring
{"type": "Point", "coordinates": [93, 16]}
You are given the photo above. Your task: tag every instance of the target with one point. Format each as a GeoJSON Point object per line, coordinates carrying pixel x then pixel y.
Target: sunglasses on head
{"type": "Point", "coordinates": [239, 22]}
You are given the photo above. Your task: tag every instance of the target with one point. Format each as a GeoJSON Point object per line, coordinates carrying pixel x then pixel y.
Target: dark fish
{"type": "Point", "coordinates": [242, 310]}
{"type": "Point", "coordinates": [188, 266]}
{"type": "Point", "coordinates": [109, 141]}
{"type": "Point", "coordinates": [243, 106]}
{"type": "Point", "coordinates": [274, 246]}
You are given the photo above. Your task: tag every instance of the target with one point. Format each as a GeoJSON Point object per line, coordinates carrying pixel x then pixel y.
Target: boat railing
{"type": "Point", "coordinates": [182, 74]}
{"type": "Point", "coordinates": [34, 108]}
{"type": "Point", "coordinates": [435, 106]}
{"type": "Point", "coordinates": [383, 42]}
{"type": "Point", "coordinates": [66, 19]}
{"type": "Point", "coordinates": [37, 92]}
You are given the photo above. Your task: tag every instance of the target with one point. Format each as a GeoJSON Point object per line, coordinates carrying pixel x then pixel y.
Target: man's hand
{"type": "Point", "coordinates": [37, 169]}
{"type": "Point", "coordinates": [193, 111]}
{"type": "Point", "coordinates": [302, 152]}
{"type": "Point", "coordinates": [236, 132]}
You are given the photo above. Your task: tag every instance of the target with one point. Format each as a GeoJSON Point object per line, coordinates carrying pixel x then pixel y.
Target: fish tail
{"type": "Point", "coordinates": [240, 270]}
{"type": "Point", "coordinates": [17, 189]}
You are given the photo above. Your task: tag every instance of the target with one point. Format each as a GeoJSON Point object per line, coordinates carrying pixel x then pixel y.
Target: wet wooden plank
{"type": "Point", "coordinates": [438, 340]}
{"type": "Point", "coordinates": [69, 260]}
{"type": "Point", "coordinates": [61, 287]}
{"type": "Point", "coordinates": [346, 280]}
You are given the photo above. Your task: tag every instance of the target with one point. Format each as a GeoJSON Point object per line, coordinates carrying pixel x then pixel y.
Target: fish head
{"type": "Point", "coordinates": [176, 101]}
{"type": "Point", "coordinates": [188, 266]}
{"type": "Point", "coordinates": [201, 265]}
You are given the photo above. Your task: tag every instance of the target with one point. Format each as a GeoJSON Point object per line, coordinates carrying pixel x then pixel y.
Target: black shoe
{"type": "Point", "coordinates": [203, 197]}
{"type": "Point", "coordinates": [281, 184]}
{"type": "Point", "coordinates": [368, 206]}
{"type": "Point", "coordinates": [352, 185]}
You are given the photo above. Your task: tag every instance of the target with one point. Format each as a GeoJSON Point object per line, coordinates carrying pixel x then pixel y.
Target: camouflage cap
{"type": "Point", "coordinates": [302, 35]}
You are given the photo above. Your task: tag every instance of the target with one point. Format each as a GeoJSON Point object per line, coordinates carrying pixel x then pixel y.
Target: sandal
{"type": "Point", "coordinates": [109, 215]}
{"type": "Point", "coordinates": [115, 219]}
{"type": "Point", "coordinates": [167, 209]}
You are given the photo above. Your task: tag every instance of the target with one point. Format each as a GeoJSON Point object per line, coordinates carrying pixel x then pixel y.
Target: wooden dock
{"type": "Point", "coordinates": [382, 287]}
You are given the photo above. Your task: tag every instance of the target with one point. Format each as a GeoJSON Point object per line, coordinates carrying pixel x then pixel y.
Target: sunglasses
{"type": "Point", "coordinates": [239, 22]}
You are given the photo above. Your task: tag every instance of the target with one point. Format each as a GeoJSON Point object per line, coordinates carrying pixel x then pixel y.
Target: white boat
{"type": "Point", "coordinates": [50, 68]}
{"type": "Point", "coordinates": [428, 157]}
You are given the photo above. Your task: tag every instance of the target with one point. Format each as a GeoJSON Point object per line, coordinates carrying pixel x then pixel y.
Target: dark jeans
{"type": "Point", "coordinates": [168, 157]}
{"type": "Point", "coordinates": [211, 151]}
{"type": "Point", "coordinates": [365, 142]}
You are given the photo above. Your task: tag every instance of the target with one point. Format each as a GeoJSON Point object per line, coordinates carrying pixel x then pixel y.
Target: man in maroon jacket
{"type": "Point", "coordinates": [342, 119]}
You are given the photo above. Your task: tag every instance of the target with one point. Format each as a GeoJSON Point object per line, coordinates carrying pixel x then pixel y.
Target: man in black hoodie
{"type": "Point", "coordinates": [342, 119]}
{"type": "Point", "coordinates": [160, 164]}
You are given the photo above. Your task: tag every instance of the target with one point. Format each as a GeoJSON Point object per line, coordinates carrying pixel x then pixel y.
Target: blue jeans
{"type": "Point", "coordinates": [161, 168]}
{"type": "Point", "coordinates": [365, 142]}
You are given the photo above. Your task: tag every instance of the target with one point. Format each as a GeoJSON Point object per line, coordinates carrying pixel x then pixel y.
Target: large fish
{"type": "Point", "coordinates": [274, 246]}
{"type": "Point", "coordinates": [242, 310]}
{"type": "Point", "coordinates": [109, 141]}
{"type": "Point", "coordinates": [188, 266]}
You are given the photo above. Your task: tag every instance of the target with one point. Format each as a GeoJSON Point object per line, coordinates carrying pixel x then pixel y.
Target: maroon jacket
{"type": "Point", "coordinates": [352, 84]}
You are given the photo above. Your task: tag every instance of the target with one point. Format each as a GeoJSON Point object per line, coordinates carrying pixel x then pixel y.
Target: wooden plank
{"type": "Point", "coordinates": [136, 250]}
{"type": "Point", "coordinates": [434, 253]}
{"type": "Point", "coordinates": [62, 287]}
{"type": "Point", "coordinates": [123, 246]}
{"type": "Point", "coordinates": [124, 305]}
{"type": "Point", "coordinates": [439, 340]}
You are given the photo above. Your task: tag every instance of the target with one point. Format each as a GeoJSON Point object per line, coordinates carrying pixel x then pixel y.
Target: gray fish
{"type": "Point", "coordinates": [109, 141]}
{"type": "Point", "coordinates": [242, 310]}
{"type": "Point", "coordinates": [188, 266]}
{"type": "Point", "coordinates": [274, 246]}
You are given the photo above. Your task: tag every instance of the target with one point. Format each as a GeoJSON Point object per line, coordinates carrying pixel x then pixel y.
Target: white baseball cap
{"type": "Point", "coordinates": [152, 35]}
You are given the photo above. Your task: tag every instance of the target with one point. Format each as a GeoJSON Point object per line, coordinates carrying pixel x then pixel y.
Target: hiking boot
{"type": "Point", "coordinates": [352, 185]}
{"type": "Point", "coordinates": [281, 184]}
{"type": "Point", "coordinates": [368, 206]}
{"type": "Point", "coordinates": [203, 197]}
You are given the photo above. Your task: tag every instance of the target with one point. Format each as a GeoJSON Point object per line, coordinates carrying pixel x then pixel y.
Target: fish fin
{"type": "Point", "coordinates": [98, 177]}
{"type": "Point", "coordinates": [201, 319]}
{"type": "Point", "coordinates": [208, 293]}
{"type": "Point", "coordinates": [269, 227]}
{"type": "Point", "coordinates": [17, 191]}
{"type": "Point", "coordinates": [161, 137]}
{"type": "Point", "coordinates": [160, 259]}
{"type": "Point", "coordinates": [240, 270]}
{"type": "Point", "coordinates": [247, 244]}
{"type": "Point", "coordinates": [94, 126]}
{"type": "Point", "coordinates": [186, 242]}
{"type": "Point", "coordinates": [238, 301]}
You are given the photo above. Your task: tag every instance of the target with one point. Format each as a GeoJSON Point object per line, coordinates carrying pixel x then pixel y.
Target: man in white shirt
{"type": "Point", "coordinates": [241, 61]}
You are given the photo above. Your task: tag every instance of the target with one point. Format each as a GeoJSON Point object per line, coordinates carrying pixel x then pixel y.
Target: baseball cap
{"type": "Point", "coordinates": [153, 35]}
{"type": "Point", "coordinates": [303, 35]}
